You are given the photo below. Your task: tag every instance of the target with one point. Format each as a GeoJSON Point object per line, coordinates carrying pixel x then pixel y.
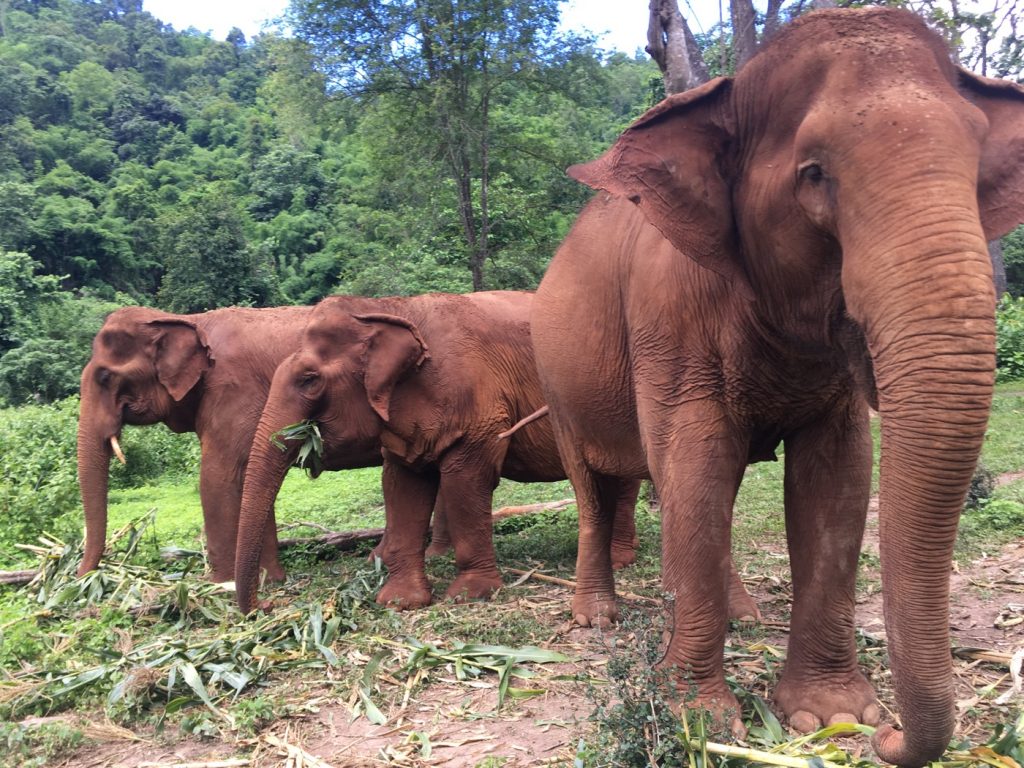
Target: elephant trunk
{"type": "Point", "coordinates": [264, 474]}
{"type": "Point", "coordinates": [94, 451]}
{"type": "Point", "coordinates": [929, 323]}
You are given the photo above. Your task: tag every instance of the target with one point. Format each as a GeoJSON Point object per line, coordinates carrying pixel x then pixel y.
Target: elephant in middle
{"type": "Point", "coordinates": [428, 383]}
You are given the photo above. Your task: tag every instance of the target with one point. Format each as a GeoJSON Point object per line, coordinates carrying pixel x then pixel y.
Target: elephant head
{"type": "Point", "coordinates": [846, 182]}
{"type": "Point", "coordinates": [343, 377]}
{"type": "Point", "coordinates": [146, 367]}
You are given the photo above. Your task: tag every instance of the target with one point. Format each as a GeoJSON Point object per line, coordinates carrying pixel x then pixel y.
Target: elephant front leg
{"type": "Point", "coordinates": [465, 497]}
{"type": "Point", "coordinates": [697, 473]}
{"type": "Point", "coordinates": [220, 491]}
{"type": "Point", "coordinates": [828, 481]}
{"type": "Point", "coordinates": [408, 498]}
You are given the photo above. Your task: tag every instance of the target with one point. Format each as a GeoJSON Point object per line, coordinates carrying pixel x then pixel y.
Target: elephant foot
{"type": "Point", "coordinates": [474, 586]}
{"type": "Point", "coordinates": [823, 700]}
{"type": "Point", "coordinates": [742, 607]}
{"type": "Point", "coordinates": [595, 610]}
{"type": "Point", "coordinates": [221, 576]}
{"type": "Point", "coordinates": [275, 571]}
{"type": "Point", "coordinates": [714, 700]}
{"type": "Point", "coordinates": [405, 595]}
{"type": "Point", "coordinates": [622, 556]}
{"type": "Point", "coordinates": [438, 548]}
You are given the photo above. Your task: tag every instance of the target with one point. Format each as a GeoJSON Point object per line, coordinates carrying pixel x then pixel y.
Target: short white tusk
{"type": "Point", "coordinates": [117, 449]}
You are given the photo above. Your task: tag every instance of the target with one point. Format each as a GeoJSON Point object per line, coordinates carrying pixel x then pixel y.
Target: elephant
{"type": "Point", "coordinates": [767, 256]}
{"type": "Point", "coordinates": [206, 373]}
{"type": "Point", "coordinates": [427, 383]}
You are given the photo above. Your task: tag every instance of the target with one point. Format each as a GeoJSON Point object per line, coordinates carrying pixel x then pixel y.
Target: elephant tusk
{"type": "Point", "coordinates": [117, 449]}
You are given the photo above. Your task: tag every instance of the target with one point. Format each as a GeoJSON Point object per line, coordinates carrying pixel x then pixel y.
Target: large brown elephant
{"type": "Point", "coordinates": [771, 253]}
{"type": "Point", "coordinates": [434, 379]}
{"type": "Point", "coordinates": [206, 373]}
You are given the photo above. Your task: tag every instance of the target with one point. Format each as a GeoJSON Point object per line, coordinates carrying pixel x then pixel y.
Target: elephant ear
{"type": "Point", "coordinates": [182, 356]}
{"type": "Point", "coordinates": [1001, 170]}
{"type": "Point", "coordinates": [671, 163]}
{"type": "Point", "coordinates": [394, 348]}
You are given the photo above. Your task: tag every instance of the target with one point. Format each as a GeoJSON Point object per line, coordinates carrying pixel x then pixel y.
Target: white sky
{"type": "Point", "coordinates": [621, 24]}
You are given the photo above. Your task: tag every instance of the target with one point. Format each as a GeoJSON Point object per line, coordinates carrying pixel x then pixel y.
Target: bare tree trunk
{"type": "Point", "coordinates": [771, 19]}
{"type": "Point", "coordinates": [995, 252]}
{"type": "Point", "coordinates": [672, 45]}
{"type": "Point", "coordinates": [744, 32]}
{"type": "Point", "coordinates": [698, 69]}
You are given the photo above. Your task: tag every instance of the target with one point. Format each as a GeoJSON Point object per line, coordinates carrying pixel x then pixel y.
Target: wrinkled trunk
{"type": "Point", "coordinates": [94, 453]}
{"type": "Point", "coordinates": [264, 475]}
{"type": "Point", "coordinates": [929, 322]}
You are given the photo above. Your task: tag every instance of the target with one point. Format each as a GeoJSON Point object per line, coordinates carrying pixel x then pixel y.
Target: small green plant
{"type": "Point", "coordinates": [252, 715]}
{"type": "Point", "coordinates": [37, 745]}
{"type": "Point", "coordinates": [636, 724]}
{"type": "Point", "coordinates": [982, 485]}
{"type": "Point", "coordinates": [311, 452]}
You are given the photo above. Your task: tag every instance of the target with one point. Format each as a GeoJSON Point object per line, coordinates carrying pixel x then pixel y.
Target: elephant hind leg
{"type": "Point", "coordinates": [742, 607]}
{"type": "Point", "coordinates": [440, 537]}
{"type": "Point", "coordinates": [598, 501]}
{"type": "Point", "coordinates": [624, 538]}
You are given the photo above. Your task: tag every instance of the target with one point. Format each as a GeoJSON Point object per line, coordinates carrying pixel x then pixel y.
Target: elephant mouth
{"type": "Point", "coordinates": [855, 348]}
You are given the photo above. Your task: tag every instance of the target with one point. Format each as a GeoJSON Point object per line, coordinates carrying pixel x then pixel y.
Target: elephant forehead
{"type": "Point", "coordinates": [118, 344]}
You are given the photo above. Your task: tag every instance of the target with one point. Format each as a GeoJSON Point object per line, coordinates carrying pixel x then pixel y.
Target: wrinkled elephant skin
{"type": "Point", "coordinates": [206, 373]}
{"type": "Point", "coordinates": [769, 254]}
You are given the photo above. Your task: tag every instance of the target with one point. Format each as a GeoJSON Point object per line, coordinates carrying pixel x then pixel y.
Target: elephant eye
{"type": "Point", "coordinates": [103, 377]}
{"type": "Point", "coordinates": [812, 172]}
{"type": "Point", "coordinates": [308, 378]}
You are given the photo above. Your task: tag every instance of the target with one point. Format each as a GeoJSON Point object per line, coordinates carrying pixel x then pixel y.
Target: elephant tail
{"type": "Point", "coordinates": [538, 414]}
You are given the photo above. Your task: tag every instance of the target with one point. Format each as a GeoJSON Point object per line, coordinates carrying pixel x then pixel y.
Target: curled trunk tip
{"type": "Point", "coordinates": [892, 746]}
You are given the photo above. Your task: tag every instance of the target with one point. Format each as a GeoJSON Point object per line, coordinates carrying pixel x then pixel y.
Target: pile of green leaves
{"type": "Point", "coordinates": [222, 655]}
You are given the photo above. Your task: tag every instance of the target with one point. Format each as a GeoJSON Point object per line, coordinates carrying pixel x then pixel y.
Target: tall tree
{"type": "Point", "coordinates": [449, 63]}
{"type": "Point", "coordinates": [672, 45]}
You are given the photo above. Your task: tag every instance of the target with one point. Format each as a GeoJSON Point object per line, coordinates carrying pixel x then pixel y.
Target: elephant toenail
{"type": "Point", "coordinates": [872, 715]}
{"type": "Point", "coordinates": [804, 721]}
{"type": "Point", "coordinates": [843, 717]}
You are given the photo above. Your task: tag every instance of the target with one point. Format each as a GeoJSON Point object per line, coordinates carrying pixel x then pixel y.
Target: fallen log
{"type": "Point", "coordinates": [345, 540]}
{"type": "Point", "coordinates": [17, 578]}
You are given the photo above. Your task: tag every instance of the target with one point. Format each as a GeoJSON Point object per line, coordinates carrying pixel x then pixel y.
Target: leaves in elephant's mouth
{"type": "Point", "coordinates": [311, 452]}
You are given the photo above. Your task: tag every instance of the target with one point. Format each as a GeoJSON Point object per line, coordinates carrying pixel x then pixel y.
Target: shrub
{"type": "Point", "coordinates": [152, 452]}
{"type": "Point", "coordinates": [38, 470]}
{"type": "Point", "coordinates": [1010, 339]}
{"type": "Point", "coordinates": [38, 484]}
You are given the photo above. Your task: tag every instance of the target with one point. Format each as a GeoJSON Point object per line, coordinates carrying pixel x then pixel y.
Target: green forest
{"type": "Point", "coordinates": [141, 164]}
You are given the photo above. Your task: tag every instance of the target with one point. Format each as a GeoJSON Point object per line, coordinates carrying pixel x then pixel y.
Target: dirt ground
{"type": "Point", "coordinates": [458, 719]}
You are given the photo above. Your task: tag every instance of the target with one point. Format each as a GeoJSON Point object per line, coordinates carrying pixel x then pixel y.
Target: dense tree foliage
{"type": "Point", "coordinates": [140, 163]}
{"type": "Point", "coordinates": [385, 148]}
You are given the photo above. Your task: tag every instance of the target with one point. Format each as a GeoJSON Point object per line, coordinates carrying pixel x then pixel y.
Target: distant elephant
{"type": "Point", "coordinates": [205, 373]}
{"type": "Point", "coordinates": [771, 253]}
{"type": "Point", "coordinates": [434, 379]}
